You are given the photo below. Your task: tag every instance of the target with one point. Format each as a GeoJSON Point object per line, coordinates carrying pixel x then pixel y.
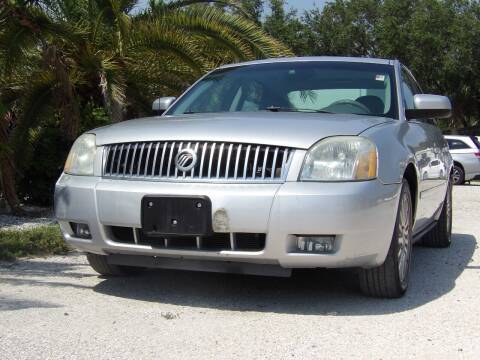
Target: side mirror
{"type": "Point", "coordinates": [429, 106]}
{"type": "Point", "coordinates": [161, 104]}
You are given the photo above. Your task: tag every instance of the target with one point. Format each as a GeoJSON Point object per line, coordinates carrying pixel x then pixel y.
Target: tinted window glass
{"type": "Point", "coordinates": [475, 141]}
{"type": "Point", "coordinates": [336, 87]}
{"type": "Point", "coordinates": [410, 89]}
{"type": "Point", "coordinates": [454, 144]}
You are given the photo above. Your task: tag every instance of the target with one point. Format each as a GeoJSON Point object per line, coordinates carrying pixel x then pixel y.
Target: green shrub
{"type": "Point", "coordinates": [41, 240]}
{"type": "Point", "coordinates": [47, 154]}
{"type": "Point", "coordinates": [43, 166]}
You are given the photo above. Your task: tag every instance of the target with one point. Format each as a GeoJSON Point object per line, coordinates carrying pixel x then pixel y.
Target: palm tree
{"type": "Point", "coordinates": [56, 55]}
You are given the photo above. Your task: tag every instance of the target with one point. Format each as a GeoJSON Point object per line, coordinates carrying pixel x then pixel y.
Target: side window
{"type": "Point", "coordinates": [455, 144]}
{"type": "Point", "coordinates": [410, 89]}
{"type": "Point", "coordinates": [476, 141]}
{"type": "Point", "coordinates": [407, 96]}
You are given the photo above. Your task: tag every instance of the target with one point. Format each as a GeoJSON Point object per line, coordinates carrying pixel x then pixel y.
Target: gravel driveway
{"type": "Point", "coordinates": [57, 307]}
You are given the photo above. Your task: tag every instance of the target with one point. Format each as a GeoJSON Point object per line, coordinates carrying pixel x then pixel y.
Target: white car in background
{"type": "Point", "coordinates": [465, 152]}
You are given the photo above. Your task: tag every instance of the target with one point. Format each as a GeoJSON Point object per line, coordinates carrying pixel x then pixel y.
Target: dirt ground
{"type": "Point", "coordinates": [58, 308]}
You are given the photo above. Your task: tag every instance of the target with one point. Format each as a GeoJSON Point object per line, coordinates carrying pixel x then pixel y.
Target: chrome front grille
{"type": "Point", "coordinates": [211, 161]}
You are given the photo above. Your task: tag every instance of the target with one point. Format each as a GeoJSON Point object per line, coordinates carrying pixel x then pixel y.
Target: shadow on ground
{"type": "Point", "coordinates": [20, 304]}
{"type": "Point", "coordinates": [39, 273]}
{"type": "Point", "coordinates": [434, 273]}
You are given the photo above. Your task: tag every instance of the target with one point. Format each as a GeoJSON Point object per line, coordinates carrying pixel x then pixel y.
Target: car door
{"type": "Point", "coordinates": [431, 157]}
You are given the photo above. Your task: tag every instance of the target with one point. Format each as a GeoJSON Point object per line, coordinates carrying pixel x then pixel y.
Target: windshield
{"type": "Point", "coordinates": [310, 86]}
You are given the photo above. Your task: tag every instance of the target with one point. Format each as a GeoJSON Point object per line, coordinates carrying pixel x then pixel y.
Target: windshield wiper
{"type": "Point", "coordinates": [286, 109]}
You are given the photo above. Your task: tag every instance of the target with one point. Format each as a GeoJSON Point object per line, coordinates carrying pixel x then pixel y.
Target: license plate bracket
{"type": "Point", "coordinates": [176, 215]}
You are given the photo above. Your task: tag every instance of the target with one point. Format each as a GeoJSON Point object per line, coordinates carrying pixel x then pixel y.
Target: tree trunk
{"type": "Point", "coordinates": [65, 93]}
{"type": "Point", "coordinates": [7, 167]}
{"type": "Point", "coordinates": [115, 109]}
{"type": "Point", "coordinates": [7, 174]}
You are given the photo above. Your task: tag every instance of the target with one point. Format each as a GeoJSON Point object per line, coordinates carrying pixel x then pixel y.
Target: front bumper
{"type": "Point", "coordinates": [361, 215]}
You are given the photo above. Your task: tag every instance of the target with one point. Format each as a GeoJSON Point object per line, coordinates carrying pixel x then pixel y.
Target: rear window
{"type": "Point", "coordinates": [475, 141]}
{"type": "Point", "coordinates": [455, 144]}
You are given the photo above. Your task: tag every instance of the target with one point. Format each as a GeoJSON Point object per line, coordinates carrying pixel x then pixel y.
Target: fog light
{"type": "Point", "coordinates": [81, 231]}
{"type": "Point", "coordinates": [316, 244]}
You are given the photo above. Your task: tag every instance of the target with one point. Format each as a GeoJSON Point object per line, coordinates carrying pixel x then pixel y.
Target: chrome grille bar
{"type": "Point", "coordinates": [170, 158]}
{"type": "Point", "coordinates": [274, 164]}
{"type": "Point", "coordinates": [192, 174]}
{"type": "Point", "coordinates": [147, 159]}
{"type": "Point", "coordinates": [160, 171]}
{"type": "Point", "coordinates": [176, 169]}
{"type": "Point", "coordinates": [140, 159]}
{"type": "Point", "coordinates": [113, 152]}
{"type": "Point", "coordinates": [157, 145]}
{"type": "Point", "coordinates": [216, 161]}
{"type": "Point", "coordinates": [205, 145]}
{"type": "Point", "coordinates": [219, 162]}
{"type": "Point", "coordinates": [126, 159]}
{"type": "Point", "coordinates": [239, 151]}
{"type": "Point", "coordinates": [265, 158]}
{"type": "Point", "coordinates": [245, 165]}
{"type": "Point", "coordinates": [212, 152]}
{"type": "Point", "coordinates": [119, 161]}
{"type": "Point", "coordinates": [229, 156]}
{"type": "Point", "coordinates": [133, 159]}
{"type": "Point", "coordinates": [255, 163]}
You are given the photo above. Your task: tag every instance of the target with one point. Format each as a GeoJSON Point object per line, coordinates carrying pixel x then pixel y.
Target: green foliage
{"type": "Point", "coordinates": [254, 8]}
{"type": "Point", "coordinates": [287, 27]}
{"type": "Point", "coordinates": [42, 240]}
{"type": "Point", "coordinates": [87, 63]}
{"type": "Point", "coordinates": [48, 149]}
{"type": "Point", "coordinates": [344, 28]}
{"type": "Point", "coordinates": [44, 165]}
{"type": "Point", "coordinates": [437, 39]}
{"type": "Point", "coordinates": [81, 64]}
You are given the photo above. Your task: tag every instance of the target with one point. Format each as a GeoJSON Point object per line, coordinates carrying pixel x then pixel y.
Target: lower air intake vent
{"type": "Point", "coordinates": [215, 242]}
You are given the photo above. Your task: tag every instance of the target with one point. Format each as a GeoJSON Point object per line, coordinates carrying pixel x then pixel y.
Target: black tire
{"type": "Point", "coordinates": [390, 280]}
{"type": "Point", "coordinates": [441, 235]}
{"type": "Point", "coordinates": [458, 175]}
{"type": "Point", "coordinates": [100, 264]}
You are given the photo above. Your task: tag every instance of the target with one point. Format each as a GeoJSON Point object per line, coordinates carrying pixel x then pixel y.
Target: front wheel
{"type": "Point", "coordinates": [390, 280]}
{"type": "Point", "coordinates": [100, 264]}
{"type": "Point", "coordinates": [458, 175]}
{"type": "Point", "coordinates": [441, 235]}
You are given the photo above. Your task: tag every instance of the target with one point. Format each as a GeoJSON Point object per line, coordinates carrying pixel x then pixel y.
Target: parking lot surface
{"type": "Point", "coordinates": [58, 308]}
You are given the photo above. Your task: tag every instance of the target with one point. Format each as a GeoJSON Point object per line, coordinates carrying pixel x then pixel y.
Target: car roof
{"type": "Point", "coordinates": [313, 58]}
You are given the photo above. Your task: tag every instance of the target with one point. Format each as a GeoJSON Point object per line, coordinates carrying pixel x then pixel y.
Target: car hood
{"type": "Point", "coordinates": [297, 130]}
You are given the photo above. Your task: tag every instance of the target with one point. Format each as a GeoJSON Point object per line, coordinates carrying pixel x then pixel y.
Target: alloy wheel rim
{"type": "Point", "coordinates": [456, 176]}
{"type": "Point", "coordinates": [403, 238]}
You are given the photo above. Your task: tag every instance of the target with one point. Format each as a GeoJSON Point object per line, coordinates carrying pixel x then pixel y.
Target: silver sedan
{"type": "Point", "coordinates": [264, 167]}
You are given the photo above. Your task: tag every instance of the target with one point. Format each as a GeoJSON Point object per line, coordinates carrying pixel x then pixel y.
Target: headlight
{"type": "Point", "coordinates": [82, 155]}
{"type": "Point", "coordinates": [341, 158]}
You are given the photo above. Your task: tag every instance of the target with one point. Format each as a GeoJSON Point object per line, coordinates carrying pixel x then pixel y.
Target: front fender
{"type": "Point", "coordinates": [397, 143]}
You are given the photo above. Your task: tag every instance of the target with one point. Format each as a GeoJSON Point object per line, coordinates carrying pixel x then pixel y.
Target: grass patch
{"type": "Point", "coordinates": [41, 240]}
